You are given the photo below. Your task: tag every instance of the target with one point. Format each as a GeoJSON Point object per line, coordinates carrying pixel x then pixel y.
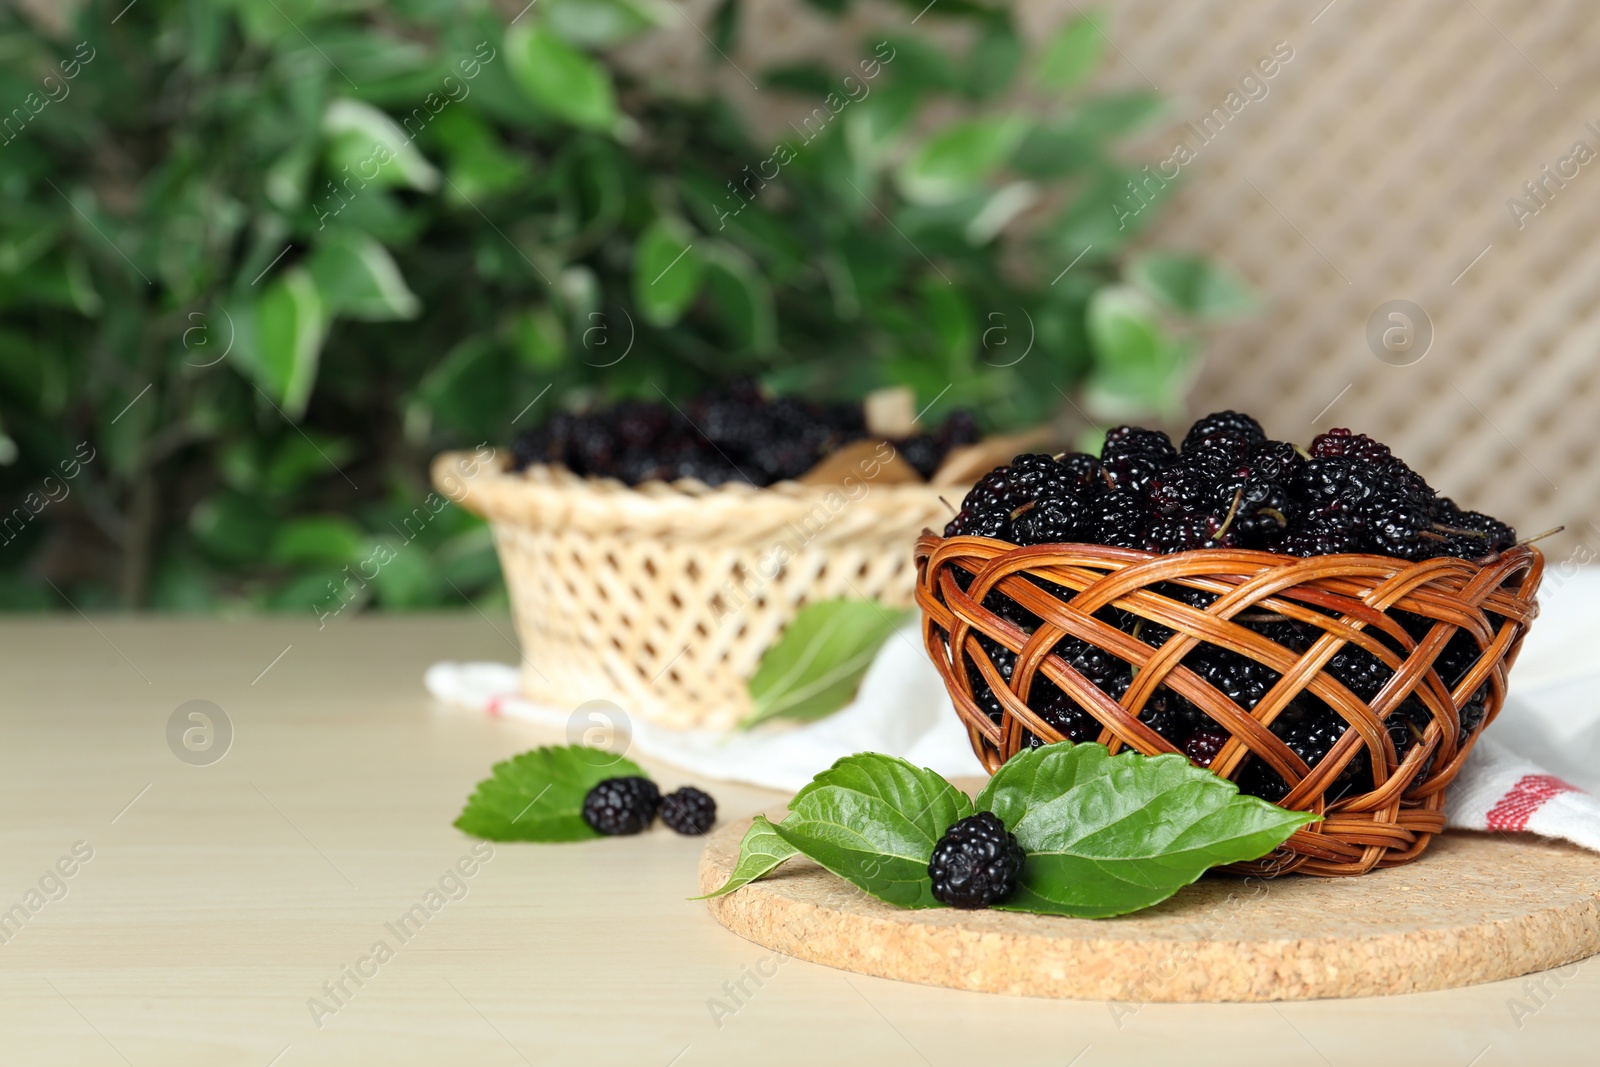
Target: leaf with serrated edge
{"type": "Point", "coordinates": [873, 820]}
{"type": "Point", "coordinates": [1106, 835]}
{"type": "Point", "coordinates": [538, 796]}
{"type": "Point", "coordinates": [760, 853]}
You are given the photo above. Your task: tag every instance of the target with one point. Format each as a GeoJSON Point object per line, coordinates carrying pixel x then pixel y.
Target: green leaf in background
{"type": "Point", "coordinates": [1190, 285]}
{"type": "Point", "coordinates": [1117, 114]}
{"type": "Point", "coordinates": [479, 164]}
{"type": "Point", "coordinates": [319, 539]}
{"type": "Point", "coordinates": [232, 526]}
{"type": "Point", "coordinates": [873, 820]}
{"type": "Point", "coordinates": [538, 796]}
{"type": "Point", "coordinates": [992, 63]}
{"type": "Point", "coordinates": [1000, 210]}
{"type": "Point", "coordinates": [596, 23]}
{"type": "Point", "coordinates": [873, 127]}
{"type": "Point", "coordinates": [725, 26]}
{"type": "Point", "coordinates": [296, 461]}
{"type": "Point", "coordinates": [1051, 151]}
{"type": "Point", "coordinates": [743, 299]}
{"type": "Point", "coordinates": [357, 278]}
{"type": "Point", "coordinates": [538, 339]}
{"type": "Point", "coordinates": [286, 179]}
{"type": "Point", "coordinates": [920, 65]}
{"type": "Point", "coordinates": [666, 271]}
{"type": "Point", "coordinates": [407, 577]}
{"type": "Point", "coordinates": [468, 381]}
{"type": "Point", "coordinates": [1138, 366]}
{"type": "Point", "coordinates": [1106, 835]}
{"type": "Point", "coordinates": [816, 664]}
{"type": "Point", "coordinates": [373, 148]}
{"type": "Point", "coordinates": [559, 78]}
{"type": "Point", "coordinates": [24, 240]}
{"type": "Point", "coordinates": [803, 79]}
{"type": "Point", "coordinates": [1072, 54]}
{"type": "Point", "coordinates": [760, 853]}
{"type": "Point", "coordinates": [958, 158]}
{"type": "Point", "coordinates": [290, 324]}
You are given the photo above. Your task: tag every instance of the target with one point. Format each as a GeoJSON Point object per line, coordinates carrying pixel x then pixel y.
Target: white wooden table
{"type": "Point", "coordinates": [225, 904]}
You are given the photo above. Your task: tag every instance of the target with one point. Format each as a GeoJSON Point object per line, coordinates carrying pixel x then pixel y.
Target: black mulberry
{"type": "Point", "coordinates": [689, 810]}
{"type": "Point", "coordinates": [976, 863]}
{"type": "Point", "coordinates": [621, 805]}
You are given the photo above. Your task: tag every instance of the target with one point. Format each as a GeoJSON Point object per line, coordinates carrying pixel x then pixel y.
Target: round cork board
{"type": "Point", "coordinates": [1474, 908]}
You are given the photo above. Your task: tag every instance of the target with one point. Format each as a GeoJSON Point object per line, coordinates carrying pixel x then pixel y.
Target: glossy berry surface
{"type": "Point", "coordinates": [689, 810]}
{"type": "Point", "coordinates": [976, 863]}
{"type": "Point", "coordinates": [1231, 423]}
{"type": "Point", "coordinates": [621, 805]}
{"type": "Point", "coordinates": [1229, 486]}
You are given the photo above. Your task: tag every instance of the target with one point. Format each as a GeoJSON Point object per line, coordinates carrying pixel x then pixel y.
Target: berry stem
{"type": "Point", "coordinates": [1541, 536]}
{"type": "Point", "coordinates": [1233, 509]}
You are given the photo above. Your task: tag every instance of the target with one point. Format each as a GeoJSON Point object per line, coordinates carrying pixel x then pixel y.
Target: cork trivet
{"type": "Point", "coordinates": [1474, 908]}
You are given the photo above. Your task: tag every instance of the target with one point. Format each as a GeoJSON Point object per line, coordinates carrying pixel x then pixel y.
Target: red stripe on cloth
{"type": "Point", "coordinates": [1513, 810]}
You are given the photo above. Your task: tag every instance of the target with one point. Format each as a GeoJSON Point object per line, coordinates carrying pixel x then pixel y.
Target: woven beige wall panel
{"type": "Point", "coordinates": [1379, 167]}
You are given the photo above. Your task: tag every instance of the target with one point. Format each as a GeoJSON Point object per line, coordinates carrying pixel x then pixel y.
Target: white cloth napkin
{"type": "Point", "coordinates": [1535, 770]}
{"type": "Point", "coordinates": [901, 709]}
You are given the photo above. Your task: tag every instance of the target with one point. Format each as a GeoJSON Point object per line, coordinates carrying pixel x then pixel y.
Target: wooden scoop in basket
{"type": "Point", "coordinates": [863, 460]}
{"type": "Point", "coordinates": [967, 464]}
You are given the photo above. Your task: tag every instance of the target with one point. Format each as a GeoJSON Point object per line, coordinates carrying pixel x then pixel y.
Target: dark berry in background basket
{"type": "Point", "coordinates": [976, 863]}
{"type": "Point", "coordinates": [689, 810]}
{"type": "Point", "coordinates": [726, 434]}
{"type": "Point", "coordinates": [621, 805]}
{"type": "Point", "coordinates": [1229, 486]}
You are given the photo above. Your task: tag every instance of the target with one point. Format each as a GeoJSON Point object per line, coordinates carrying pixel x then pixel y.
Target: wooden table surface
{"type": "Point", "coordinates": [160, 912]}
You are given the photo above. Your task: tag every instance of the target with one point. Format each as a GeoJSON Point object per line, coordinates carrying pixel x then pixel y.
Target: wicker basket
{"type": "Point", "coordinates": [662, 598]}
{"type": "Point", "coordinates": [1348, 597]}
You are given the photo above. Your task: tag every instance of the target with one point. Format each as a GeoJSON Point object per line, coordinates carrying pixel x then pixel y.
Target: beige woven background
{"type": "Point", "coordinates": [1378, 167]}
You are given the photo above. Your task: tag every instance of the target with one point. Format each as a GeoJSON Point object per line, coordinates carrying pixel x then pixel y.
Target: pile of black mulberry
{"type": "Point", "coordinates": [628, 805]}
{"type": "Point", "coordinates": [1230, 486]}
{"type": "Point", "coordinates": [733, 433]}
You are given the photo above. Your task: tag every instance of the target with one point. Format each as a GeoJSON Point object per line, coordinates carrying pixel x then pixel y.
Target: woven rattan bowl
{"type": "Point", "coordinates": [662, 598]}
{"type": "Point", "coordinates": [1347, 598]}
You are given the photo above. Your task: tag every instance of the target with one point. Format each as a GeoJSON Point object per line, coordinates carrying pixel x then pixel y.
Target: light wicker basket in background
{"type": "Point", "coordinates": [663, 598]}
{"type": "Point", "coordinates": [1346, 599]}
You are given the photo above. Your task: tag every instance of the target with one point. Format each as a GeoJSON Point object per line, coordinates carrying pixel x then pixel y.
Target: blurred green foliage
{"type": "Point", "coordinates": [260, 261]}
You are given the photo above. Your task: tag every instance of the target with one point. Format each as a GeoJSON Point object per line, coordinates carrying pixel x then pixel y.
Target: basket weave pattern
{"type": "Point", "coordinates": [663, 598]}
{"type": "Point", "coordinates": [1347, 597]}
